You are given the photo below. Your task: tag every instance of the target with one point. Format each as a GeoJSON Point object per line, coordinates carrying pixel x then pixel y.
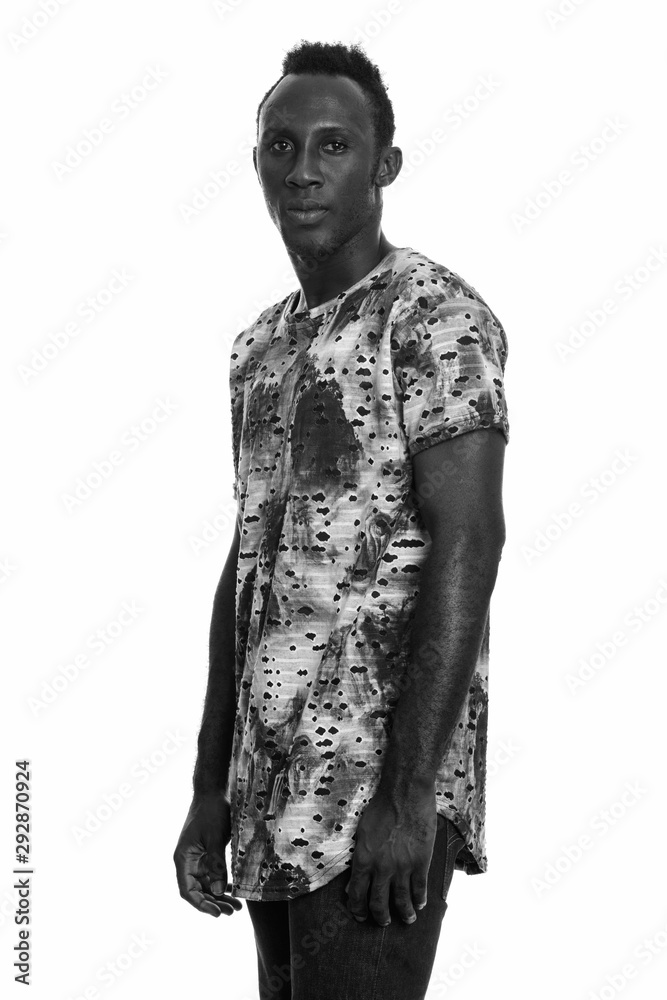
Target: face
{"type": "Point", "coordinates": [316, 147]}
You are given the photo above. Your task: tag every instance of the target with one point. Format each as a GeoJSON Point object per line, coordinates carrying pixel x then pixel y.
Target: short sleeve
{"type": "Point", "coordinates": [448, 356]}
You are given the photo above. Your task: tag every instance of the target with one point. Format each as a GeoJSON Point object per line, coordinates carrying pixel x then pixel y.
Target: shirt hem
{"type": "Point", "coordinates": [463, 426]}
{"type": "Point", "coordinates": [474, 864]}
{"type": "Point", "coordinates": [282, 892]}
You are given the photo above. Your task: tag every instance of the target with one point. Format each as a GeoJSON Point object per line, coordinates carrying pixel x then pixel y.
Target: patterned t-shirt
{"type": "Point", "coordinates": [328, 407]}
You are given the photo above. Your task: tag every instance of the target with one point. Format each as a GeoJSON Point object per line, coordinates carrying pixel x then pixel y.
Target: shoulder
{"type": "Point", "coordinates": [251, 338]}
{"type": "Point", "coordinates": [421, 282]}
{"type": "Point", "coordinates": [428, 294]}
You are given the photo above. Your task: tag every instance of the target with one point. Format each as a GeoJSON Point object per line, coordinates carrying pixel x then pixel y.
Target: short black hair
{"type": "Point", "coordinates": [336, 59]}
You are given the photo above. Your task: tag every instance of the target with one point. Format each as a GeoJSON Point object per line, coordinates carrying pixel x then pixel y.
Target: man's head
{"type": "Point", "coordinates": [324, 134]}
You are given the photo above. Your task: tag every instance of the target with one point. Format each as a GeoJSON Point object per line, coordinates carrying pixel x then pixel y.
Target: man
{"type": "Point", "coordinates": [343, 741]}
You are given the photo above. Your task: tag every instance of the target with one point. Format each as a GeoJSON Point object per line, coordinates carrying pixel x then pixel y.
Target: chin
{"type": "Point", "coordinates": [308, 248]}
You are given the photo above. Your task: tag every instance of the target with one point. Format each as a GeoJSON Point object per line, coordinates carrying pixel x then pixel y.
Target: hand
{"type": "Point", "coordinates": [199, 857]}
{"type": "Point", "coordinates": [394, 844]}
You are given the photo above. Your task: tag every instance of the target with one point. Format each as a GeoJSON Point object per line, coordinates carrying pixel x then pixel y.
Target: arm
{"type": "Point", "coordinates": [458, 486]}
{"type": "Point", "coordinates": [214, 744]}
{"type": "Point", "coordinates": [465, 520]}
{"type": "Point", "coordinates": [201, 870]}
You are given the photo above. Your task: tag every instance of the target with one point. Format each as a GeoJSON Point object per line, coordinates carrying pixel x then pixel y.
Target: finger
{"type": "Point", "coordinates": [218, 882]}
{"type": "Point", "coordinates": [193, 892]}
{"type": "Point", "coordinates": [228, 898]}
{"type": "Point", "coordinates": [187, 873]}
{"type": "Point", "coordinates": [357, 895]}
{"type": "Point", "coordinates": [204, 903]}
{"type": "Point", "coordinates": [192, 878]}
{"type": "Point", "coordinates": [226, 904]}
{"type": "Point", "coordinates": [419, 883]}
{"type": "Point", "coordinates": [212, 871]}
{"type": "Point", "coordinates": [403, 899]}
{"type": "Point", "coordinates": [215, 890]}
{"type": "Point", "coordinates": [379, 901]}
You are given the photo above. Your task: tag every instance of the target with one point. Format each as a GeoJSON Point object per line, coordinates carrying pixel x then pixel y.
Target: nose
{"type": "Point", "coordinates": [305, 168]}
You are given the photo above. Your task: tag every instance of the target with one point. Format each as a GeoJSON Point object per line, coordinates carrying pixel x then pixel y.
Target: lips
{"type": "Point", "coordinates": [306, 212]}
{"type": "Point", "coordinates": [305, 205]}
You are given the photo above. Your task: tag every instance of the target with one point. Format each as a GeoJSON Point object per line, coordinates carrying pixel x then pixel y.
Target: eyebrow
{"type": "Point", "coordinates": [271, 129]}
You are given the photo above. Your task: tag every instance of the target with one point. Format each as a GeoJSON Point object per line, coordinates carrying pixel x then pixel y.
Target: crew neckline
{"type": "Point", "coordinates": [294, 315]}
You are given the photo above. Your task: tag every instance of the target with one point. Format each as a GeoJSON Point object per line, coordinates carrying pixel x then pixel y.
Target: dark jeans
{"type": "Point", "coordinates": [312, 948]}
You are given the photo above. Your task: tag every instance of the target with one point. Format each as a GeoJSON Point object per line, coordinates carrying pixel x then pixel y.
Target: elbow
{"type": "Point", "coordinates": [478, 539]}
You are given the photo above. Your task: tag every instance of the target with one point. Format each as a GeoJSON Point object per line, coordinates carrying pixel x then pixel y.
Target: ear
{"type": "Point", "coordinates": [254, 158]}
{"type": "Point", "coordinates": [390, 165]}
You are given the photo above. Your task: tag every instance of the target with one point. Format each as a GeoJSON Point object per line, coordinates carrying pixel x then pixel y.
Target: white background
{"type": "Point", "coordinates": [538, 924]}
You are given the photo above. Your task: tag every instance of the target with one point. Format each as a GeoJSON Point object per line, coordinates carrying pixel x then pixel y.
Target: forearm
{"type": "Point", "coordinates": [456, 584]}
{"type": "Point", "coordinates": [214, 744]}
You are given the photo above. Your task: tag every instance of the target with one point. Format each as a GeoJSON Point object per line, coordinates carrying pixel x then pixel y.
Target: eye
{"type": "Point", "coordinates": [331, 142]}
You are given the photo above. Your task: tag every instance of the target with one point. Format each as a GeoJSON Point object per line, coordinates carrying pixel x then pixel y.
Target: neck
{"type": "Point", "coordinates": [324, 279]}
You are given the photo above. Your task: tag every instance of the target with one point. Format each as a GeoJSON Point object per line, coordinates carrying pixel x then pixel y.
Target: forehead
{"type": "Point", "coordinates": [304, 99]}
